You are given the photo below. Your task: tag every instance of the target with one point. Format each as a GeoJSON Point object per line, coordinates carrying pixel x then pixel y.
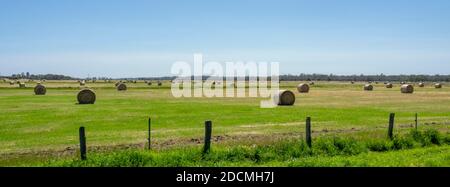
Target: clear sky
{"type": "Point", "coordinates": [131, 38]}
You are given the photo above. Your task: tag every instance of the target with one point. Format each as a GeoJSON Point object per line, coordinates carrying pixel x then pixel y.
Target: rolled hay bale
{"type": "Point", "coordinates": [159, 83]}
{"type": "Point", "coordinates": [352, 82]}
{"type": "Point", "coordinates": [121, 87]}
{"type": "Point", "coordinates": [303, 88]}
{"type": "Point", "coordinates": [407, 88]}
{"type": "Point", "coordinates": [117, 83]}
{"type": "Point", "coordinates": [311, 83]}
{"type": "Point", "coordinates": [438, 85]}
{"type": "Point", "coordinates": [11, 82]}
{"type": "Point", "coordinates": [284, 97]}
{"type": "Point", "coordinates": [376, 82]}
{"type": "Point", "coordinates": [403, 82]}
{"type": "Point", "coordinates": [86, 96]}
{"type": "Point", "coordinates": [368, 87]}
{"type": "Point", "coordinates": [421, 84]}
{"type": "Point", "coordinates": [82, 83]}
{"type": "Point", "coordinates": [22, 85]}
{"type": "Point", "coordinates": [149, 83]}
{"type": "Point", "coordinates": [40, 89]}
{"type": "Point", "coordinates": [389, 85]}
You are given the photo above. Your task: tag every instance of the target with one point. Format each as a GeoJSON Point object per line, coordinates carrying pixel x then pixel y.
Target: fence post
{"type": "Point", "coordinates": [308, 132]}
{"type": "Point", "coordinates": [82, 143]}
{"type": "Point", "coordinates": [391, 126]}
{"type": "Point", "coordinates": [208, 130]}
{"type": "Point", "coordinates": [416, 121]}
{"type": "Point", "coordinates": [149, 132]}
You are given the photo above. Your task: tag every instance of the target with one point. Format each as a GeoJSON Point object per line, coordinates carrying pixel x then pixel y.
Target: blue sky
{"type": "Point", "coordinates": [144, 38]}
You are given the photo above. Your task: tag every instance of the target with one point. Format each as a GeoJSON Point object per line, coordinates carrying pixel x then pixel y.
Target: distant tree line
{"type": "Point", "coordinates": [27, 75]}
{"type": "Point", "coordinates": [380, 77]}
{"type": "Point", "coordinates": [289, 77]}
{"type": "Point", "coordinates": [360, 78]}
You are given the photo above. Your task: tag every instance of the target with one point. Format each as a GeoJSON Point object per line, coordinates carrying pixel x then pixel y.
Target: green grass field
{"type": "Point", "coordinates": [35, 130]}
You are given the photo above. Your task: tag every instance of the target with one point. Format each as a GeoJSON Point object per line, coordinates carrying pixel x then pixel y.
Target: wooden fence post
{"type": "Point", "coordinates": [149, 132]}
{"type": "Point", "coordinates": [391, 126]}
{"type": "Point", "coordinates": [416, 121]}
{"type": "Point", "coordinates": [208, 130]}
{"type": "Point", "coordinates": [308, 132]}
{"type": "Point", "coordinates": [82, 143]}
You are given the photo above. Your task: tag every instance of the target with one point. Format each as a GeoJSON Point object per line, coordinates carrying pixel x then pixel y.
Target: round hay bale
{"type": "Point", "coordinates": [438, 85]}
{"type": "Point", "coordinates": [82, 83]}
{"type": "Point", "coordinates": [407, 88]}
{"type": "Point", "coordinates": [121, 87]}
{"type": "Point", "coordinates": [311, 83]}
{"type": "Point", "coordinates": [40, 89]}
{"type": "Point", "coordinates": [117, 83]}
{"type": "Point", "coordinates": [159, 83]}
{"type": "Point", "coordinates": [284, 97]}
{"type": "Point", "coordinates": [303, 88]}
{"type": "Point", "coordinates": [86, 96]}
{"type": "Point", "coordinates": [149, 83]}
{"type": "Point", "coordinates": [352, 82]}
{"type": "Point", "coordinates": [389, 85]}
{"type": "Point", "coordinates": [368, 87]}
{"type": "Point", "coordinates": [11, 82]}
{"type": "Point", "coordinates": [22, 85]}
{"type": "Point", "coordinates": [421, 84]}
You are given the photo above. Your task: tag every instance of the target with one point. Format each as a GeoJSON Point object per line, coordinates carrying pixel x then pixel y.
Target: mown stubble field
{"type": "Point", "coordinates": [34, 129]}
